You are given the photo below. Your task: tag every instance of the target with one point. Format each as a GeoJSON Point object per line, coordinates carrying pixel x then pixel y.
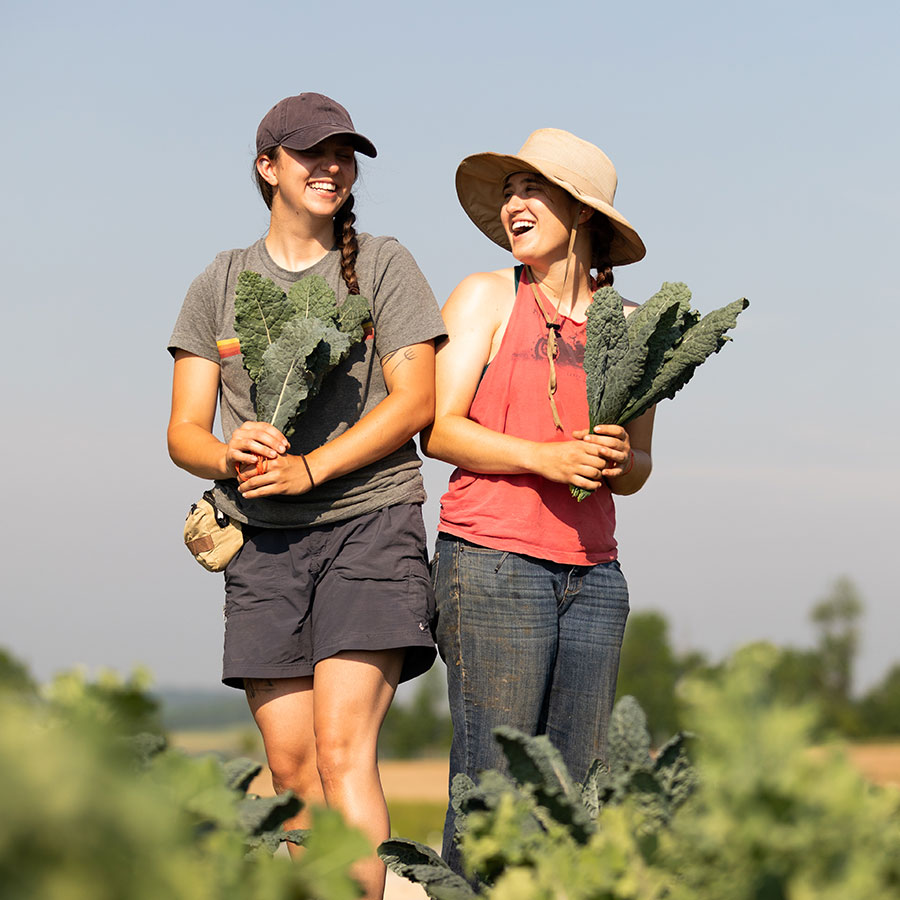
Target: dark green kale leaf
{"type": "Point", "coordinates": [260, 310]}
{"type": "Point", "coordinates": [353, 314]}
{"type": "Point", "coordinates": [290, 342]}
{"type": "Point", "coordinates": [606, 344]}
{"type": "Point", "coordinates": [651, 332]}
{"type": "Point", "coordinates": [293, 368]}
{"type": "Point", "coordinates": [313, 299]}
{"type": "Point", "coordinates": [698, 343]}
{"type": "Point", "coordinates": [657, 325]}
{"type": "Point", "coordinates": [631, 364]}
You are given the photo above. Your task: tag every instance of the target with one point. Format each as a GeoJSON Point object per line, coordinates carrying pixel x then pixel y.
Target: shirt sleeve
{"type": "Point", "coordinates": [404, 308]}
{"type": "Point", "coordinates": [195, 327]}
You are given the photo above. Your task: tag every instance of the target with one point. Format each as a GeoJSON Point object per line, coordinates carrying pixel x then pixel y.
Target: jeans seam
{"type": "Point", "coordinates": [569, 595]}
{"type": "Point", "coordinates": [463, 678]}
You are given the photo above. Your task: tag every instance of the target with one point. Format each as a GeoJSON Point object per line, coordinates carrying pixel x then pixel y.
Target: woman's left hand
{"type": "Point", "coordinates": [286, 474]}
{"type": "Point", "coordinates": [614, 445]}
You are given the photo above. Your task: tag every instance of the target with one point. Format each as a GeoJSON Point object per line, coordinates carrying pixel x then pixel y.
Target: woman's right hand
{"type": "Point", "coordinates": [252, 440]}
{"type": "Point", "coordinates": [577, 462]}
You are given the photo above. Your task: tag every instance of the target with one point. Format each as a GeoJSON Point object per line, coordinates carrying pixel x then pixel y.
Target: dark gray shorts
{"type": "Point", "coordinates": [296, 596]}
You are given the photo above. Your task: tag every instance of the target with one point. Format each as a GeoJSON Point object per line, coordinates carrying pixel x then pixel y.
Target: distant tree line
{"type": "Point", "coordinates": [651, 670]}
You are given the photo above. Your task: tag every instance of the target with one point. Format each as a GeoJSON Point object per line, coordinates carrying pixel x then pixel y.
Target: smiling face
{"type": "Point", "coordinates": [537, 217]}
{"type": "Point", "coordinates": [316, 181]}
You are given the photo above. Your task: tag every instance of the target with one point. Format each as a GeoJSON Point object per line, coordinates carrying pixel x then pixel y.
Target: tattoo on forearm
{"type": "Point", "coordinates": [254, 686]}
{"type": "Point", "coordinates": [396, 358]}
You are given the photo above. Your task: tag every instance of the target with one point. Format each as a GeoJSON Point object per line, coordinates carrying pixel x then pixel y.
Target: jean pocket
{"type": "Point", "coordinates": [487, 557]}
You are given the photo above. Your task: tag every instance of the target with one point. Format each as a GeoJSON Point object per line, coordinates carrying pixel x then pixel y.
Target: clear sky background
{"type": "Point", "coordinates": [757, 147]}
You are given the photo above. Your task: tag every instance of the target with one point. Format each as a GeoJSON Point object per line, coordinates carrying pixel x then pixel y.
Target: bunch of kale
{"type": "Point", "coordinates": [290, 342]}
{"type": "Point", "coordinates": [632, 363]}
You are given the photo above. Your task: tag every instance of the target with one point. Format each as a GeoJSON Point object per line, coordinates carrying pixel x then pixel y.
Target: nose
{"type": "Point", "coordinates": [513, 203]}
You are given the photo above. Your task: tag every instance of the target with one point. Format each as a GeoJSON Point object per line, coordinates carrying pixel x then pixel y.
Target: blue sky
{"type": "Point", "coordinates": [757, 153]}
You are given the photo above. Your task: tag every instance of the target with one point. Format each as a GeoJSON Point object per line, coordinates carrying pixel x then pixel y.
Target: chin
{"type": "Point", "coordinates": [526, 258]}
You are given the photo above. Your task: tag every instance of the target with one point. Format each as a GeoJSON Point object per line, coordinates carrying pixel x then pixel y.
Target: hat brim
{"type": "Point", "coordinates": [479, 185]}
{"type": "Point", "coordinates": [304, 138]}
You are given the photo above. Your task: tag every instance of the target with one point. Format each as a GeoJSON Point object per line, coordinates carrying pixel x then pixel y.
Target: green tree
{"type": "Point", "coordinates": [836, 618]}
{"type": "Point", "coordinates": [879, 709]}
{"type": "Point", "coordinates": [14, 675]}
{"type": "Point", "coordinates": [797, 675]}
{"type": "Point", "coordinates": [422, 726]}
{"type": "Point", "coordinates": [649, 671]}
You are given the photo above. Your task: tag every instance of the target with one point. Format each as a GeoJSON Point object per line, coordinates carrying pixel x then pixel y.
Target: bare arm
{"type": "Point", "coordinates": [475, 314]}
{"type": "Point", "coordinates": [192, 445]}
{"type": "Point", "coordinates": [408, 407]}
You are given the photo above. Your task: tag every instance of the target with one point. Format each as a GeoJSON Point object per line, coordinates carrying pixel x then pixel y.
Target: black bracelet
{"type": "Point", "coordinates": [305, 463]}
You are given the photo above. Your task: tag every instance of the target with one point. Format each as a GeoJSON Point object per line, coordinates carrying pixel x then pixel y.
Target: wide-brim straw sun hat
{"type": "Point", "coordinates": [578, 167]}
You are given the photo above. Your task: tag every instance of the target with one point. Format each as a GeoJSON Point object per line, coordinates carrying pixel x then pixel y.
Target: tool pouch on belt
{"type": "Point", "coordinates": [210, 535]}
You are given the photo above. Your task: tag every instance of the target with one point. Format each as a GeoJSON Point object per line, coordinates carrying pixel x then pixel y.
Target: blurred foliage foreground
{"type": "Point", "coordinates": [96, 807]}
{"type": "Point", "coordinates": [754, 815]}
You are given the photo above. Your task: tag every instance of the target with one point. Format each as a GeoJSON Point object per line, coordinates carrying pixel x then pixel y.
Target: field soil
{"type": "Point", "coordinates": [403, 779]}
{"type": "Point", "coordinates": [426, 779]}
{"type": "Point", "coordinates": [880, 763]}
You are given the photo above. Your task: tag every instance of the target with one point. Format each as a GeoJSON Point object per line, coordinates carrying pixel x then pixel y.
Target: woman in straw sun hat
{"type": "Point", "coordinates": [329, 600]}
{"type": "Point", "coordinates": [531, 600]}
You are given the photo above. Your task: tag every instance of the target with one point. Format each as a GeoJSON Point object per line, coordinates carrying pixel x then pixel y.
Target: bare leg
{"type": "Point", "coordinates": [353, 691]}
{"type": "Point", "coordinates": [283, 709]}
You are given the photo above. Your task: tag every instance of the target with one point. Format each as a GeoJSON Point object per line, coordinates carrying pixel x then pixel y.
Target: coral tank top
{"type": "Point", "coordinates": [527, 514]}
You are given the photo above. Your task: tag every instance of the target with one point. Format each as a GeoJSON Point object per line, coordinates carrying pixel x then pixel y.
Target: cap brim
{"type": "Point", "coordinates": [309, 137]}
{"type": "Point", "coordinates": [479, 185]}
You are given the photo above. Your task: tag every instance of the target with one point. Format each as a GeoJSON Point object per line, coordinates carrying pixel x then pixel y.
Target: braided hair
{"type": "Point", "coordinates": [344, 232]}
{"type": "Point", "coordinates": [345, 238]}
{"type": "Point", "coordinates": [601, 239]}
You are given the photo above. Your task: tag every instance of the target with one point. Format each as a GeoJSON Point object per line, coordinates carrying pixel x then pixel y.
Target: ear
{"type": "Point", "coordinates": [585, 213]}
{"type": "Point", "coordinates": [266, 168]}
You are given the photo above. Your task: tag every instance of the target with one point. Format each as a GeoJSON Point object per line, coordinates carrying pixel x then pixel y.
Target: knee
{"type": "Point", "coordinates": [337, 756]}
{"type": "Point", "coordinates": [295, 773]}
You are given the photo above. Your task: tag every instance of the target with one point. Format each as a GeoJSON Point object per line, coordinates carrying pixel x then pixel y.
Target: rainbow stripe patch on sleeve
{"type": "Point", "coordinates": [228, 347]}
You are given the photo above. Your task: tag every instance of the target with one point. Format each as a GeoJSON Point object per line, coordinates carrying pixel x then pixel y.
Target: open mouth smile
{"type": "Point", "coordinates": [323, 187]}
{"type": "Point", "coordinates": [521, 226]}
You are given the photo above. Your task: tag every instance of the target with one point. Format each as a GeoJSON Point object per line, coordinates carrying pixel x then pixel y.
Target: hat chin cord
{"type": "Point", "coordinates": [554, 325]}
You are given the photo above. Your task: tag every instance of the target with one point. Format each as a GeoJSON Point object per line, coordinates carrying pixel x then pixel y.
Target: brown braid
{"type": "Point", "coordinates": [345, 238]}
{"type": "Point", "coordinates": [601, 240]}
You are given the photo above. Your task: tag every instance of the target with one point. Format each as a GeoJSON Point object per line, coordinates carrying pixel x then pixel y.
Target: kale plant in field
{"type": "Point", "coordinates": [96, 806]}
{"type": "Point", "coordinates": [766, 814]}
{"type": "Point", "coordinates": [510, 824]}
{"type": "Point", "coordinates": [290, 342]}
{"type": "Point", "coordinates": [633, 362]}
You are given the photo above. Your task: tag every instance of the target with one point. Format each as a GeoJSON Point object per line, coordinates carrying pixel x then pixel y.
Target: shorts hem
{"type": "Point", "coordinates": [420, 655]}
{"type": "Point", "coordinates": [230, 678]}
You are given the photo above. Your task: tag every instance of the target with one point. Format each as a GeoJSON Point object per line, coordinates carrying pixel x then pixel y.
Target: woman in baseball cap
{"type": "Point", "coordinates": [531, 600]}
{"type": "Point", "coordinates": [329, 600]}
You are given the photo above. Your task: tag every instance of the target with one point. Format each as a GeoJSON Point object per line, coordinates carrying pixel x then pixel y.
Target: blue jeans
{"type": "Point", "coordinates": [528, 643]}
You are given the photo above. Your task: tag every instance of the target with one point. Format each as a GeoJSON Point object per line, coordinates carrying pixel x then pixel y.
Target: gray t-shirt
{"type": "Point", "coordinates": [404, 312]}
